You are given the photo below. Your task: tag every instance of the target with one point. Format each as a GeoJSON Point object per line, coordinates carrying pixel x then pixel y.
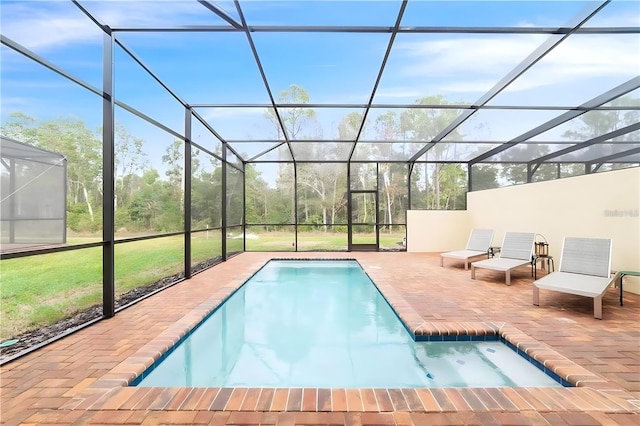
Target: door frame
{"type": "Point", "coordinates": [362, 247]}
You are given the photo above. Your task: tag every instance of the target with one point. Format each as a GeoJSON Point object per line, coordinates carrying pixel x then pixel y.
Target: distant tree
{"type": "Point", "coordinates": [596, 123]}
{"type": "Point", "coordinates": [235, 200]}
{"type": "Point", "coordinates": [293, 119]}
{"type": "Point", "coordinates": [174, 158]}
{"type": "Point", "coordinates": [257, 196]}
{"type": "Point", "coordinates": [129, 161]}
{"type": "Point", "coordinates": [484, 176]}
{"type": "Point", "coordinates": [206, 193]}
{"type": "Point", "coordinates": [387, 129]}
{"type": "Point", "coordinates": [145, 207]}
{"type": "Point", "coordinates": [513, 171]}
{"type": "Point", "coordinates": [296, 121]}
{"type": "Point", "coordinates": [350, 126]}
{"type": "Point", "coordinates": [424, 124]}
{"type": "Point", "coordinates": [172, 197]}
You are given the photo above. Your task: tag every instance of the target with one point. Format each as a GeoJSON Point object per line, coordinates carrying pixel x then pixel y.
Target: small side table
{"type": "Point", "coordinates": [619, 276]}
{"type": "Point", "coordinates": [534, 262]}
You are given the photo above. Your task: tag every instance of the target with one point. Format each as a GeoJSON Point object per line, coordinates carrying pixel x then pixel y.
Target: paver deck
{"type": "Point", "coordinates": [82, 378]}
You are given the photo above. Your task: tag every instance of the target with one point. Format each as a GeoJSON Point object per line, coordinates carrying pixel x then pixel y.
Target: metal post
{"type": "Point", "coordinates": [409, 173]}
{"type": "Point", "coordinates": [244, 210]}
{"type": "Point", "coordinates": [295, 202]}
{"type": "Point", "coordinates": [349, 210]}
{"type": "Point", "coordinates": [223, 198]}
{"type": "Point", "coordinates": [187, 192]}
{"type": "Point", "coordinates": [377, 204]}
{"type": "Point", "coordinates": [64, 201]}
{"type": "Point", "coordinates": [12, 202]}
{"type": "Point", "coordinates": [108, 190]}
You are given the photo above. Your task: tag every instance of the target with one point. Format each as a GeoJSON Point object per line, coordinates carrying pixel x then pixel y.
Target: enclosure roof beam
{"type": "Point", "coordinates": [221, 13]}
{"type": "Point", "coordinates": [403, 6]}
{"type": "Point", "coordinates": [26, 52]}
{"type": "Point", "coordinates": [148, 70]}
{"type": "Point", "coordinates": [582, 145]}
{"type": "Point", "coordinates": [426, 106]}
{"type": "Point", "coordinates": [607, 158]}
{"type": "Point", "coordinates": [217, 135]}
{"type": "Point", "coordinates": [533, 58]}
{"type": "Point", "coordinates": [264, 78]}
{"type": "Point", "coordinates": [379, 29]}
{"type": "Point", "coordinates": [612, 94]}
{"type": "Point", "coordinates": [266, 151]}
{"type": "Point", "coordinates": [102, 26]}
{"type": "Point", "coordinates": [36, 58]}
{"type": "Point", "coordinates": [175, 96]}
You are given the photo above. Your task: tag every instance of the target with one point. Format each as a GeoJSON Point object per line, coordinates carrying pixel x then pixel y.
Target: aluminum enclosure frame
{"type": "Point", "coordinates": [193, 111]}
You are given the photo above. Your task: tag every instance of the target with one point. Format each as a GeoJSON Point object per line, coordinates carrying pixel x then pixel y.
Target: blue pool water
{"type": "Point", "coordinates": [324, 324]}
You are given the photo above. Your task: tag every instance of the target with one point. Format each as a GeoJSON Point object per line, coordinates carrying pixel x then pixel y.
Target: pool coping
{"type": "Point", "coordinates": [590, 392]}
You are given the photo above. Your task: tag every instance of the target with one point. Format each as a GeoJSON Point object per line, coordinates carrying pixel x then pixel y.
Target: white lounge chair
{"type": "Point", "coordinates": [516, 250]}
{"type": "Point", "coordinates": [585, 270]}
{"type": "Point", "coordinates": [478, 245]}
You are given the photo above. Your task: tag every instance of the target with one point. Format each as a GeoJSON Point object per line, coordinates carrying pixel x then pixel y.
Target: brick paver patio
{"type": "Point", "coordinates": [82, 378]}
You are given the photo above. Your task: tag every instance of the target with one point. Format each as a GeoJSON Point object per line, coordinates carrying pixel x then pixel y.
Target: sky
{"type": "Point", "coordinates": [205, 68]}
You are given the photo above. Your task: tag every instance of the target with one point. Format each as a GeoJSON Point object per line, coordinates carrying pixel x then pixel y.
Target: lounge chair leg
{"type": "Point", "coordinates": [597, 307]}
{"type": "Point", "coordinates": [466, 265]}
{"type": "Point", "coordinates": [508, 277]}
{"type": "Point", "coordinates": [441, 260]}
{"type": "Point", "coordinates": [473, 272]}
{"type": "Point", "coordinates": [536, 296]}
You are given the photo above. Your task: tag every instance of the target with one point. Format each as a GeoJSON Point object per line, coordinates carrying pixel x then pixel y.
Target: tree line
{"type": "Point", "coordinates": [150, 197]}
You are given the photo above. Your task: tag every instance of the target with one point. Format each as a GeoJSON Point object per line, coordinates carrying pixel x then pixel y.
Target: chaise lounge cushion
{"type": "Point", "coordinates": [579, 284]}
{"type": "Point", "coordinates": [478, 245]}
{"type": "Point", "coordinates": [585, 270]}
{"type": "Point", "coordinates": [500, 264]}
{"type": "Point", "coordinates": [516, 251]}
{"type": "Point", "coordinates": [463, 254]}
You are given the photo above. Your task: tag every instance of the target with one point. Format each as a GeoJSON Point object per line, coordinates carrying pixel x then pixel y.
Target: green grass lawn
{"type": "Point", "coordinates": [39, 290]}
{"type": "Point", "coordinates": [310, 241]}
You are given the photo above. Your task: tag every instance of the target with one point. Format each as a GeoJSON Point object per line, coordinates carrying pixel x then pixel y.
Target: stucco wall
{"type": "Point", "coordinates": [601, 205]}
{"type": "Point", "coordinates": [437, 230]}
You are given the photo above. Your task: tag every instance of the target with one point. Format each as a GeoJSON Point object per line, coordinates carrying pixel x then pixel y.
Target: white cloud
{"type": "Point", "coordinates": [617, 19]}
{"type": "Point", "coordinates": [469, 85]}
{"type": "Point", "coordinates": [231, 113]}
{"type": "Point", "coordinates": [152, 13]}
{"type": "Point", "coordinates": [38, 85]}
{"type": "Point", "coordinates": [580, 59]}
{"type": "Point", "coordinates": [38, 28]}
{"type": "Point", "coordinates": [11, 103]}
{"type": "Point", "coordinates": [398, 92]}
{"type": "Point", "coordinates": [488, 55]}
{"type": "Point", "coordinates": [51, 24]}
{"type": "Point", "coordinates": [475, 64]}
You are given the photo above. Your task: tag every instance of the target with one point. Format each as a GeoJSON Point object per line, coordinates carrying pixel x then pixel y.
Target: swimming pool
{"type": "Point", "coordinates": [325, 324]}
